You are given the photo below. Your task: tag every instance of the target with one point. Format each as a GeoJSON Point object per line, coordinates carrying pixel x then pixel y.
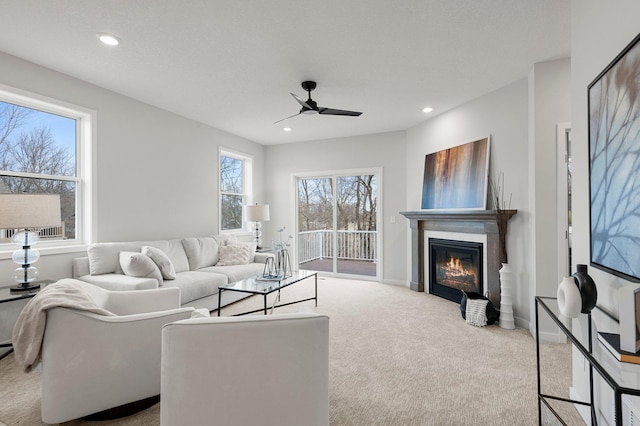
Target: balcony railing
{"type": "Point", "coordinates": [351, 245]}
{"type": "Point", "coordinates": [51, 232]}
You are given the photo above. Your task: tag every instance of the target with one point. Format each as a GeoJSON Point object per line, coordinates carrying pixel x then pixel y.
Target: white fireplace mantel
{"type": "Point", "coordinates": [457, 221]}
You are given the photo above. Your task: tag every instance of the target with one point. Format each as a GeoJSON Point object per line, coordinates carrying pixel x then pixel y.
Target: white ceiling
{"type": "Point", "coordinates": [232, 64]}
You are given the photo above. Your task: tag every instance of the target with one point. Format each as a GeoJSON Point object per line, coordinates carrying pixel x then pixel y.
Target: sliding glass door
{"type": "Point", "coordinates": [337, 228]}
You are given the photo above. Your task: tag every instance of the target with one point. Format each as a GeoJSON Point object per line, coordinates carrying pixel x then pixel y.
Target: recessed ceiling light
{"type": "Point", "coordinates": [427, 109]}
{"type": "Point", "coordinates": [287, 129]}
{"type": "Point", "coordinates": [108, 39]}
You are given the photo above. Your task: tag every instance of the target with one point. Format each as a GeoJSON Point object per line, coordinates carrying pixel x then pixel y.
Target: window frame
{"type": "Point", "coordinates": [84, 157]}
{"type": "Point", "coordinates": [247, 183]}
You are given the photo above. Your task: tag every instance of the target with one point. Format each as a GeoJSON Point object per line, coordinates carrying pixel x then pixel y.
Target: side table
{"type": "Point", "coordinates": [6, 296]}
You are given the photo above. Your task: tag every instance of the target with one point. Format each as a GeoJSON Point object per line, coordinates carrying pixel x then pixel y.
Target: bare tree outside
{"type": "Point", "coordinates": [232, 192]}
{"type": "Point", "coordinates": [355, 218]}
{"type": "Point", "coordinates": [31, 144]}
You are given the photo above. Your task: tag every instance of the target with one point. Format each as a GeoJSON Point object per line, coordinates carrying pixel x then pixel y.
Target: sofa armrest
{"type": "Point", "coordinates": [170, 316]}
{"type": "Point", "coordinates": [138, 302]}
{"type": "Point", "coordinates": [120, 282]}
{"type": "Point", "coordinates": [80, 267]}
{"type": "Point", "coordinates": [262, 257]}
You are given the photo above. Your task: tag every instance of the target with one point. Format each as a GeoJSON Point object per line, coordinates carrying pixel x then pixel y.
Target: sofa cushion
{"type": "Point", "coordinates": [119, 282]}
{"type": "Point", "coordinates": [162, 261]}
{"type": "Point", "coordinates": [233, 255]}
{"type": "Point", "coordinates": [139, 265]}
{"type": "Point", "coordinates": [174, 251]}
{"type": "Point", "coordinates": [195, 284]}
{"type": "Point", "coordinates": [104, 258]}
{"type": "Point", "coordinates": [237, 272]}
{"type": "Point", "coordinates": [201, 251]}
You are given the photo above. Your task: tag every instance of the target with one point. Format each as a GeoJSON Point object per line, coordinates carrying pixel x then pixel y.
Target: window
{"type": "Point", "coordinates": [235, 172]}
{"type": "Point", "coordinates": [43, 145]}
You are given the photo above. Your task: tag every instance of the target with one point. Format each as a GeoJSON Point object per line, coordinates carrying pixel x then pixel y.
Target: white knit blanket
{"type": "Point", "coordinates": [476, 312]}
{"type": "Point", "coordinates": [29, 329]}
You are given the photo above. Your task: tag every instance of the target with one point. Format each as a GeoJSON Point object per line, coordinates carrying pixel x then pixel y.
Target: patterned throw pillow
{"type": "Point", "coordinates": [251, 246]}
{"type": "Point", "coordinates": [233, 255]}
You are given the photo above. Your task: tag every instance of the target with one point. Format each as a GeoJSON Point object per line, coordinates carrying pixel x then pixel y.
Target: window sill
{"type": "Point", "coordinates": [238, 233]}
{"type": "Point", "coordinates": [6, 250]}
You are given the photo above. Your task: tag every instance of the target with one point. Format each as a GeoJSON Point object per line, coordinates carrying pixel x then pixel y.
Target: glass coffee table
{"type": "Point", "coordinates": [259, 286]}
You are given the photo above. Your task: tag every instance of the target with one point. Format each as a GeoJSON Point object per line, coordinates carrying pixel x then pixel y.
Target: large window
{"type": "Point", "coordinates": [235, 172]}
{"type": "Point", "coordinates": [41, 151]}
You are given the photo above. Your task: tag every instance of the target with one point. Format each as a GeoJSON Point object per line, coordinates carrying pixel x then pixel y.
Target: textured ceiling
{"type": "Point", "coordinates": [232, 64]}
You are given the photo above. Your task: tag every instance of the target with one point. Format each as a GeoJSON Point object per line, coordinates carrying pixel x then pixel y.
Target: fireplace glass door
{"type": "Point", "coordinates": [454, 267]}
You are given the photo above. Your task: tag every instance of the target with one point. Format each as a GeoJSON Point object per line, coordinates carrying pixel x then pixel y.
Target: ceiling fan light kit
{"type": "Point", "coordinates": [311, 107]}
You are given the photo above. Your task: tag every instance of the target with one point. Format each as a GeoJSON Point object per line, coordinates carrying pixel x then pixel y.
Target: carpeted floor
{"type": "Point", "coordinates": [397, 357]}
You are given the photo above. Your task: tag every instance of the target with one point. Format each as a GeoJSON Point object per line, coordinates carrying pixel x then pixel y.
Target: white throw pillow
{"type": "Point", "coordinates": [139, 265]}
{"type": "Point", "coordinates": [233, 255]}
{"type": "Point", "coordinates": [250, 246]}
{"type": "Point", "coordinates": [162, 261]}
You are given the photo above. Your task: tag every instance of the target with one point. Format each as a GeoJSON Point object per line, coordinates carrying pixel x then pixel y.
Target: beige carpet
{"type": "Point", "coordinates": [397, 357]}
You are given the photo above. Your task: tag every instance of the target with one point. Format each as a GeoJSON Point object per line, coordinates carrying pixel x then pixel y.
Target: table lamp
{"type": "Point", "coordinates": [25, 211]}
{"type": "Point", "coordinates": [257, 213]}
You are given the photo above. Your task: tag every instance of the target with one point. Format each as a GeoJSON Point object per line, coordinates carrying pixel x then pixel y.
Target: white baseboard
{"type": "Point", "coordinates": [583, 410]}
{"type": "Point", "coordinates": [397, 282]}
{"type": "Point", "coordinates": [546, 337]}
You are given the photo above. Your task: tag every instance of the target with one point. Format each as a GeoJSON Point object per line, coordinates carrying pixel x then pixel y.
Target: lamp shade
{"type": "Point", "coordinates": [29, 210]}
{"type": "Point", "coordinates": [257, 212]}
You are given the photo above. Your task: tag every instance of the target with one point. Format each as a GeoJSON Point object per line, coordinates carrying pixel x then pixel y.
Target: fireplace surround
{"type": "Point", "coordinates": [481, 222]}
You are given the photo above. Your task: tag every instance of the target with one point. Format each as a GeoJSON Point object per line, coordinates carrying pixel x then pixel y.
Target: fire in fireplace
{"type": "Point", "coordinates": [455, 266]}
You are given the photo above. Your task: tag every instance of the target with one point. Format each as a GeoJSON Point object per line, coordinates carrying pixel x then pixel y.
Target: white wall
{"type": "Point", "coordinates": [599, 31]}
{"type": "Point", "coordinates": [385, 150]}
{"type": "Point", "coordinates": [503, 114]}
{"type": "Point", "coordinates": [550, 104]}
{"type": "Point", "coordinates": [156, 172]}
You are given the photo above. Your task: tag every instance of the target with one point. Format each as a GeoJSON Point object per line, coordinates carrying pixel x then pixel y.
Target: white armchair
{"type": "Point", "coordinates": [91, 363]}
{"type": "Point", "coordinates": [269, 370]}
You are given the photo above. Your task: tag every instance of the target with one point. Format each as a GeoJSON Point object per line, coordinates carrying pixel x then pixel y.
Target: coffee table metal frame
{"type": "Point", "coordinates": [255, 286]}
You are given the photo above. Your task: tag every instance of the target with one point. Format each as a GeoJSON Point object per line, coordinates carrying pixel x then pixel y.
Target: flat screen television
{"type": "Point", "coordinates": [457, 178]}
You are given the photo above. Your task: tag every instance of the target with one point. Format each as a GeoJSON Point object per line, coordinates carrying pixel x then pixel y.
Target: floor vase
{"type": "Point", "coordinates": [506, 297]}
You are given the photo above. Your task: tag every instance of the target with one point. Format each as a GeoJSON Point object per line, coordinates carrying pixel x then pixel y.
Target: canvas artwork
{"type": "Point", "coordinates": [456, 178]}
{"type": "Point", "coordinates": [614, 166]}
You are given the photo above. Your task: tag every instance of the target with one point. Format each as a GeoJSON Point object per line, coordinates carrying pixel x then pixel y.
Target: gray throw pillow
{"type": "Point", "coordinates": [139, 265]}
{"type": "Point", "coordinates": [201, 252]}
{"type": "Point", "coordinates": [162, 261]}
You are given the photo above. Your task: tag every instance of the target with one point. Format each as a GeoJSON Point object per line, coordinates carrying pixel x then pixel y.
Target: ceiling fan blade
{"type": "Point", "coordinates": [286, 118]}
{"type": "Point", "coordinates": [331, 111]}
{"type": "Point", "coordinates": [300, 101]}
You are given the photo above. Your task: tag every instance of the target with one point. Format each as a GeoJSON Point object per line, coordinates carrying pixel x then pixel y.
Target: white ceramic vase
{"type": "Point", "coordinates": [506, 297]}
{"type": "Point", "coordinates": [569, 298]}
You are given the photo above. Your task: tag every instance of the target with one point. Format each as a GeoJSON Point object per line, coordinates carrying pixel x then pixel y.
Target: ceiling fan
{"type": "Point", "coordinates": [311, 107]}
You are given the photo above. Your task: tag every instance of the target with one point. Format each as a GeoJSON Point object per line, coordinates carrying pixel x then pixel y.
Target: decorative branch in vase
{"type": "Point", "coordinates": [503, 213]}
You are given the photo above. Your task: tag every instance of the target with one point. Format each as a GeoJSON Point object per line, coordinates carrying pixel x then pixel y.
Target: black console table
{"type": "Point", "coordinates": [594, 366]}
{"type": "Point", "coordinates": [6, 296]}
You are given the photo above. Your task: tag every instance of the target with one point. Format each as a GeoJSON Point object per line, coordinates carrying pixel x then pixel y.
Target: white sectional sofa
{"type": "Point", "coordinates": [198, 266]}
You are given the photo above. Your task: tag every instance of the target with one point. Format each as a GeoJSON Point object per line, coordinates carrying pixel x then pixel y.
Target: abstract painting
{"type": "Point", "coordinates": [456, 178]}
{"type": "Point", "coordinates": [614, 165]}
